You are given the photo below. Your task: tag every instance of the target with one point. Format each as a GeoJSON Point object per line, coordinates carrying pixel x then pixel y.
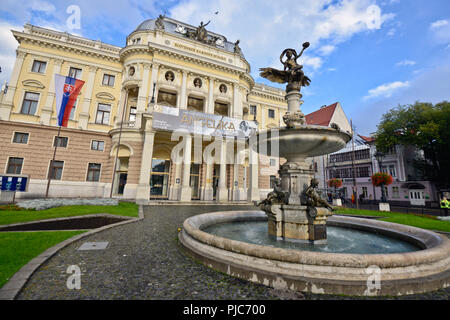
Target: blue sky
{"type": "Point", "coordinates": [370, 55]}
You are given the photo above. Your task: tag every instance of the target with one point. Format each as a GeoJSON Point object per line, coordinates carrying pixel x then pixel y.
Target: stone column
{"type": "Point", "coordinates": [175, 189]}
{"type": "Point", "coordinates": [222, 191]}
{"type": "Point", "coordinates": [89, 86]}
{"type": "Point", "coordinates": [186, 191]}
{"type": "Point", "coordinates": [7, 102]}
{"type": "Point", "coordinates": [237, 102]}
{"type": "Point", "coordinates": [183, 98]}
{"type": "Point", "coordinates": [47, 110]}
{"type": "Point", "coordinates": [143, 188]}
{"type": "Point", "coordinates": [210, 108]}
{"type": "Point", "coordinates": [208, 193]}
{"type": "Point", "coordinates": [142, 96]}
{"type": "Point", "coordinates": [253, 188]}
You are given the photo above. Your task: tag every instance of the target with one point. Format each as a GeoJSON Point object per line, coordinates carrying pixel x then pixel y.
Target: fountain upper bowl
{"type": "Point", "coordinates": [301, 142]}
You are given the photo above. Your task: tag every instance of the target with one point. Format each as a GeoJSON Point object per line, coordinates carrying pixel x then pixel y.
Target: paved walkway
{"type": "Point", "coordinates": [144, 261]}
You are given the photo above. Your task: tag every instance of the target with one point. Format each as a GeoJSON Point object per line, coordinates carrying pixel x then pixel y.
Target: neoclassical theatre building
{"type": "Point", "coordinates": [169, 73]}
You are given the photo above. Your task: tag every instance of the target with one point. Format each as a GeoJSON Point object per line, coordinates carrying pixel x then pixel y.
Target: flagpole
{"type": "Point", "coordinates": [51, 163]}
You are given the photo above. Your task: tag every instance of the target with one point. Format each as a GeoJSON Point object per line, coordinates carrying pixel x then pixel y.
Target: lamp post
{"type": "Point", "coordinates": [153, 94]}
{"type": "Point", "coordinates": [379, 156]}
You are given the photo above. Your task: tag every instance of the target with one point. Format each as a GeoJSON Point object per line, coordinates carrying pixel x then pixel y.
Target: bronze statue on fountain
{"type": "Point", "coordinates": [293, 75]}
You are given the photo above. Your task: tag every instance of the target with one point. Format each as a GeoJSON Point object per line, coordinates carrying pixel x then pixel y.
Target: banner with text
{"type": "Point", "coordinates": [171, 119]}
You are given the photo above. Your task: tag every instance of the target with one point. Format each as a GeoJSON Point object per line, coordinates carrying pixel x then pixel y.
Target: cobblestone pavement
{"type": "Point", "coordinates": [145, 261]}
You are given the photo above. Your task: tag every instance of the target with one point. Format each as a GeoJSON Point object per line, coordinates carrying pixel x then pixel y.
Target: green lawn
{"type": "Point", "coordinates": [16, 216]}
{"type": "Point", "coordinates": [18, 248]}
{"type": "Point", "coordinates": [415, 220]}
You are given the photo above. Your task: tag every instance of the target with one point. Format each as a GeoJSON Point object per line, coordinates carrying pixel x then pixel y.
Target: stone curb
{"type": "Point", "coordinates": [12, 288]}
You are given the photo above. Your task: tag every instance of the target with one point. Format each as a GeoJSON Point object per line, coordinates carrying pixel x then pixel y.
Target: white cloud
{"type": "Point", "coordinates": [271, 26]}
{"type": "Point", "coordinates": [326, 50]}
{"type": "Point", "coordinates": [405, 63]}
{"type": "Point", "coordinates": [391, 32]}
{"type": "Point", "coordinates": [438, 24]}
{"type": "Point", "coordinates": [386, 90]}
{"type": "Point", "coordinates": [7, 50]}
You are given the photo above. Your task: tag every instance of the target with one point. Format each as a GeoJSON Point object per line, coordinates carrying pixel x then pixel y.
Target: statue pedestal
{"type": "Point", "coordinates": [298, 223]}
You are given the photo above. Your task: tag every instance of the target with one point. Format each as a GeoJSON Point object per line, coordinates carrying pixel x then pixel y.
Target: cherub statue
{"type": "Point", "coordinates": [292, 72]}
{"type": "Point", "coordinates": [237, 49]}
{"type": "Point", "coordinates": [312, 197]}
{"type": "Point", "coordinates": [277, 196]}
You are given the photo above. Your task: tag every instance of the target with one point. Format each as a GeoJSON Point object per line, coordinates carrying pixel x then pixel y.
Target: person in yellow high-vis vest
{"type": "Point", "coordinates": [445, 204]}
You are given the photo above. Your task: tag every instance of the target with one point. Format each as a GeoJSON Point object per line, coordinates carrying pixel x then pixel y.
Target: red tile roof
{"type": "Point", "coordinates": [321, 117]}
{"type": "Point", "coordinates": [366, 139]}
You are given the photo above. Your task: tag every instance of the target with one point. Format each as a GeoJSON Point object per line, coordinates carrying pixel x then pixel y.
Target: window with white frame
{"type": "Point", "coordinates": [392, 170]}
{"type": "Point", "coordinates": [39, 66]}
{"type": "Point", "coordinates": [75, 73]}
{"type": "Point", "coordinates": [60, 142]}
{"type": "Point", "coordinates": [14, 165]}
{"type": "Point", "coordinates": [56, 169]}
{"type": "Point", "coordinates": [395, 192]}
{"type": "Point", "coordinates": [132, 116]}
{"type": "Point", "coordinates": [108, 80]}
{"type": "Point", "coordinates": [97, 145]}
{"type": "Point", "coordinates": [20, 137]}
{"type": "Point", "coordinates": [93, 172]}
{"type": "Point", "coordinates": [103, 113]}
{"type": "Point", "coordinates": [30, 102]}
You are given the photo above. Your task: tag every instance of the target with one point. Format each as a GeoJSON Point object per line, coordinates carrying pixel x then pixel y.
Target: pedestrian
{"type": "Point", "coordinates": [445, 204]}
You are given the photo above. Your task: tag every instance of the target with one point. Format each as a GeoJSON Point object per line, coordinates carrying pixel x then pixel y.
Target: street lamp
{"type": "Point", "coordinates": [379, 156]}
{"type": "Point", "coordinates": [153, 95]}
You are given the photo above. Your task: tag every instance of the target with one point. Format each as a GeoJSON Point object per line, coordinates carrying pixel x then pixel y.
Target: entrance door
{"type": "Point", "coordinates": [159, 180]}
{"type": "Point", "coordinates": [195, 181]}
{"type": "Point", "coordinates": [122, 182]}
{"type": "Point", "coordinates": [215, 184]}
{"type": "Point", "coordinates": [416, 197]}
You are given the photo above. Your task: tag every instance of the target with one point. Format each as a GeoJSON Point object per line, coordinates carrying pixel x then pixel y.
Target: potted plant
{"type": "Point", "coordinates": [335, 183]}
{"type": "Point", "coordinates": [382, 179]}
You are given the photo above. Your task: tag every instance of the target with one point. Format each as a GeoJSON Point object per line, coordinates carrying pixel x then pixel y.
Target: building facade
{"type": "Point", "coordinates": [165, 65]}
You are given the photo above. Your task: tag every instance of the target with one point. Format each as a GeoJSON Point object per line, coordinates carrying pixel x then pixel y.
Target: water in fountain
{"type": "Point", "coordinates": [340, 240]}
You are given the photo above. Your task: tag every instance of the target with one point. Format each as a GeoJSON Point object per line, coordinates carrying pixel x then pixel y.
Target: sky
{"type": "Point", "coordinates": [369, 55]}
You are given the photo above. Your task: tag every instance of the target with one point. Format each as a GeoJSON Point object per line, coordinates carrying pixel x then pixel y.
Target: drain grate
{"type": "Point", "coordinates": [94, 246]}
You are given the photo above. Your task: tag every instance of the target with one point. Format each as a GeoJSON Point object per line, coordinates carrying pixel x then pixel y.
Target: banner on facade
{"type": "Point", "coordinates": [172, 119]}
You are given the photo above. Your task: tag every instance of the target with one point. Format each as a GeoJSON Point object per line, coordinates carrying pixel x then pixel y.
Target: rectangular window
{"type": "Point", "coordinates": [252, 109]}
{"type": "Point", "coordinates": [108, 80]}
{"type": "Point", "coordinates": [15, 165]}
{"type": "Point", "coordinates": [30, 102]}
{"type": "Point", "coordinates": [271, 113]}
{"type": "Point", "coordinates": [392, 170]}
{"type": "Point", "coordinates": [75, 73]}
{"type": "Point", "coordinates": [364, 191]}
{"type": "Point", "coordinates": [103, 113]}
{"type": "Point", "coordinates": [97, 145]}
{"type": "Point", "coordinates": [395, 192]}
{"type": "Point", "coordinates": [20, 137]}
{"type": "Point", "coordinates": [60, 142]}
{"type": "Point", "coordinates": [132, 116]}
{"type": "Point", "coordinates": [56, 169]}
{"type": "Point", "coordinates": [93, 172]}
{"type": "Point", "coordinates": [39, 66]}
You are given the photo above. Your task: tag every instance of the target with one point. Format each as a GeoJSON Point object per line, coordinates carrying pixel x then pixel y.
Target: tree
{"type": "Point", "coordinates": [425, 127]}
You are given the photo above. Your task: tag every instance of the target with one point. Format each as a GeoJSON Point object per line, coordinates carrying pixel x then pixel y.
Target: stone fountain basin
{"type": "Point", "coordinates": [319, 272]}
{"type": "Point", "coordinates": [303, 142]}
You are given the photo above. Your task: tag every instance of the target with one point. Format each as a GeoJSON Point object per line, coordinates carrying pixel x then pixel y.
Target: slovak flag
{"type": "Point", "coordinates": [66, 91]}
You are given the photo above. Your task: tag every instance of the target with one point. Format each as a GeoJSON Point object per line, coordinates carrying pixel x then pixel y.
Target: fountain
{"type": "Point", "coordinates": [293, 253]}
{"type": "Point", "coordinates": [295, 211]}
